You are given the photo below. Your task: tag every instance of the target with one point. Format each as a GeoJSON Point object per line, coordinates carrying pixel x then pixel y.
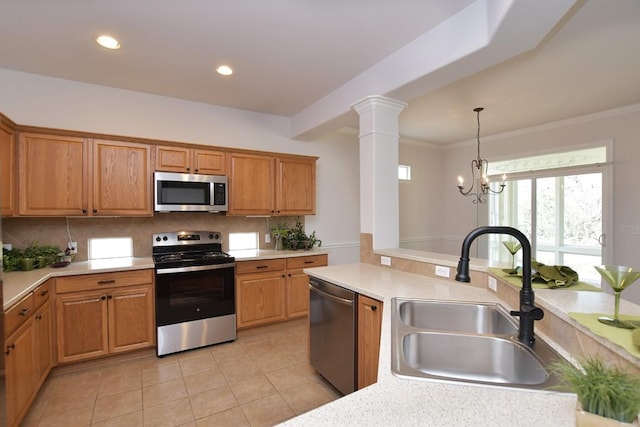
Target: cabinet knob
{"type": "Point", "coordinates": [39, 317]}
{"type": "Point", "coordinates": [84, 211]}
{"type": "Point", "coordinates": [110, 296]}
{"type": "Point", "coordinates": [197, 170]}
{"type": "Point", "coordinates": [95, 211]}
{"type": "Point", "coordinates": [188, 169]}
{"type": "Point", "coordinates": [43, 293]}
{"type": "Point", "coordinates": [103, 297]}
{"type": "Point", "coordinates": [374, 307]}
{"type": "Point", "coordinates": [9, 348]}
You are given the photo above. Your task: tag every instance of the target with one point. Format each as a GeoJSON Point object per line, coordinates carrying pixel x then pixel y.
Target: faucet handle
{"type": "Point", "coordinates": [530, 311]}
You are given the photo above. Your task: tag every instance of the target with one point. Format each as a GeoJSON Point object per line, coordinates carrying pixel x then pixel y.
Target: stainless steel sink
{"type": "Point", "coordinates": [465, 342]}
{"type": "Point", "coordinates": [472, 357]}
{"type": "Point", "coordinates": [481, 318]}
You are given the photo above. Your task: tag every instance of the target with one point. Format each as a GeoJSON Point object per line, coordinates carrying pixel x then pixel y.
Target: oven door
{"type": "Point", "coordinates": [193, 293]}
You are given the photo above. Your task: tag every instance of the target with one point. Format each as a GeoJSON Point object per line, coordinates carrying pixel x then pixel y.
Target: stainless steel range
{"type": "Point", "coordinates": [195, 291]}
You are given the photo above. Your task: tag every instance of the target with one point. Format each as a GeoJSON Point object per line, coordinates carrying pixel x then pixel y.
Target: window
{"type": "Point", "coordinates": [110, 247]}
{"type": "Point", "coordinates": [404, 173]}
{"type": "Point", "coordinates": [560, 209]}
{"type": "Point", "coordinates": [243, 241]}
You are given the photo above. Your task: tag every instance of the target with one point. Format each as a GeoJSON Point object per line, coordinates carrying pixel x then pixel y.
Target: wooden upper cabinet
{"type": "Point", "coordinates": [251, 184]}
{"type": "Point", "coordinates": [178, 159]}
{"type": "Point", "coordinates": [121, 179]}
{"type": "Point", "coordinates": [267, 185]}
{"type": "Point", "coordinates": [52, 175]}
{"type": "Point", "coordinates": [7, 170]}
{"type": "Point", "coordinates": [296, 186]}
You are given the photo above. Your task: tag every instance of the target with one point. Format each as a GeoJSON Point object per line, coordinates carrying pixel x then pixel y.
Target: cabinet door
{"type": "Point", "coordinates": [121, 179]}
{"type": "Point", "coordinates": [209, 162]}
{"type": "Point", "coordinates": [296, 187]}
{"type": "Point", "coordinates": [369, 328]}
{"type": "Point", "coordinates": [131, 321]}
{"type": "Point", "coordinates": [7, 165]}
{"type": "Point", "coordinates": [260, 299]}
{"type": "Point", "coordinates": [19, 371]}
{"type": "Point", "coordinates": [173, 159]}
{"type": "Point", "coordinates": [44, 344]}
{"type": "Point", "coordinates": [297, 294]}
{"type": "Point", "coordinates": [52, 175]}
{"type": "Point", "coordinates": [81, 321]}
{"type": "Point", "coordinates": [251, 184]}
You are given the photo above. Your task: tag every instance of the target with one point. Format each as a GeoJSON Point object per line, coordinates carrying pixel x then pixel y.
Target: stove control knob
{"type": "Point", "coordinates": [165, 238]}
{"type": "Point", "coordinates": [158, 239]}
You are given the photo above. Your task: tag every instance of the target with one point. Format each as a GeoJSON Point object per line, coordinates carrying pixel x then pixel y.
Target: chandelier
{"type": "Point", "coordinates": [480, 185]}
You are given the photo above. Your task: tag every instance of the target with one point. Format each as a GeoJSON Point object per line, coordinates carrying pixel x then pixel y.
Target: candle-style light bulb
{"type": "Point", "coordinates": [460, 181]}
{"type": "Point", "coordinates": [504, 177]}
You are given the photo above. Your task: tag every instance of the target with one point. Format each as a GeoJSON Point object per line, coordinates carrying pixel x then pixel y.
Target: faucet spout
{"type": "Point", "coordinates": [528, 312]}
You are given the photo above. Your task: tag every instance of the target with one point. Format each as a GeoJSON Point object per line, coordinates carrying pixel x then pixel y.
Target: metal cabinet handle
{"type": "Point", "coordinates": [261, 266]}
{"type": "Point", "coordinates": [9, 348]}
{"type": "Point", "coordinates": [106, 282]}
{"type": "Point", "coordinates": [39, 317]}
{"type": "Point", "coordinates": [24, 312]}
{"type": "Point", "coordinates": [309, 262]}
{"type": "Point", "coordinates": [374, 307]}
{"type": "Point", "coordinates": [43, 293]}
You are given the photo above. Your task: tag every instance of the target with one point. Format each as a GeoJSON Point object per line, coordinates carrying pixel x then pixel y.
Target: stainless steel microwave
{"type": "Point", "coordinates": [184, 192]}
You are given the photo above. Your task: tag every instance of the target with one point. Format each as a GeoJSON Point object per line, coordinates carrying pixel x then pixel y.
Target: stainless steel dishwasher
{"type": "Point", "coordinates": [332, 326]}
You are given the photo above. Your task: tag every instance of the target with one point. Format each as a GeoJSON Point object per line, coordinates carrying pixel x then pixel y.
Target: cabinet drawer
{"type": "Point", "coordinates": [18, 314]}
{"type": "Point", "coordinates": [42, 294]}
{"type": "Point", "coordinates": [103, 280]}
{"type": "Point", "coordinates": [259, 266]}
{"type": "Point", "coordinates": [307, 261]}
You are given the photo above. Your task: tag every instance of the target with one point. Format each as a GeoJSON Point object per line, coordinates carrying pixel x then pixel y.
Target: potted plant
{"type": "Point", "coordinates": [607, 395]}
{"type": "Point", "coordinates": [296, 238]}
{"type": "Point", "coordinates": [279, 232]}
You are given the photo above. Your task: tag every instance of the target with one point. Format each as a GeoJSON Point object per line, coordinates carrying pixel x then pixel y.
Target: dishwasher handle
{"type": "Point", "coordinates": [334, 298]}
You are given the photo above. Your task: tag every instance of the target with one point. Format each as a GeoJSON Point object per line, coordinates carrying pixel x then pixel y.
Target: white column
{"type": "Point", "coordinates": [379, 210]}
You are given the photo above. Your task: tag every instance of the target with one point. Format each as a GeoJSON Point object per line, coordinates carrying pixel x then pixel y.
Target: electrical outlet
{"type": "Point", "coordinates": [267, 238]}
{"type": "Point", "coordinates": [385, 260]}
{"type": "Point", "coordinates": [493, 285]}
{"type": "Point", "coordinates": [443, 271]}
{"type": "Point", "coordinates": [73, 247]}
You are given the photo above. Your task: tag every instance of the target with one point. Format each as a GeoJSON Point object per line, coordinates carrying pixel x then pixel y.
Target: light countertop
{"type": "Point", "coordinates": [17, 284]}
{"type": "Point", "coordinates": [256, 254]}
{"type": "Point", "coordinates": [397, 401]}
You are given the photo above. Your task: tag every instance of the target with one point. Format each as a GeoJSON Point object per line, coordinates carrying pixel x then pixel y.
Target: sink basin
{"type": "Point", "coordinates": [469, 342]}
{"type": "Point", "coordinates": [481, 318]}
{"type": "Point", "coordinates": [472, 357]}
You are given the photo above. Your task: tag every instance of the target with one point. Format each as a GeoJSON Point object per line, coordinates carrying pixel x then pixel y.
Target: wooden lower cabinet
{"type": "Point", "coordinates": [368, 343]}
{"type": "Point", "coordinates": [273, 290]}
{"type": "Point", "coordinates": [82, 326]}
{"type": "Point", "coordinates": [28, 351]}
{"type": "Point", "coordinates": [117, 315]}
{"type": "Point", "coordinates": [43, 326]}
{"type": "Point", "coordinates": [260, 298]}
{"type": "Point", "coordinates": [19, 371]}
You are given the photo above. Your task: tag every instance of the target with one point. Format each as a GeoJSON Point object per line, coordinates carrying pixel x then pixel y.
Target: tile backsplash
{"type": "Point", "coordinates": [21, 232]}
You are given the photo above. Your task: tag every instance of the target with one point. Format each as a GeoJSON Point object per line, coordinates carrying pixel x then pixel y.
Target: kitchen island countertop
{"type": "Point", "coordinates": [397, 401]}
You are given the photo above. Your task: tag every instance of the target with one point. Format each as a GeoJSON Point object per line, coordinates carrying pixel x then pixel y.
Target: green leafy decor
{"type": "Point", "coordinates": [607, 391]}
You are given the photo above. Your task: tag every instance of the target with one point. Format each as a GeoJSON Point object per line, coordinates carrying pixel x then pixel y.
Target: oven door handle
{"type": "Point", "coordinates": [194, 268]}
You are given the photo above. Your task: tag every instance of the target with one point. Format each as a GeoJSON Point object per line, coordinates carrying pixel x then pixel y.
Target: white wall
{"type": "Point", "coordinates": [34, 100]}
{"type": "Point", "coordinates": [420, 213]}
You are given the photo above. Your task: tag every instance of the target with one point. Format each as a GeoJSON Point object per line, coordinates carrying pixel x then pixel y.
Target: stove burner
{"type": "Point", "coordinates": [188, 248]}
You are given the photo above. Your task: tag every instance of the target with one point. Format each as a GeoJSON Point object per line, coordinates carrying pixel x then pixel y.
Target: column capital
{"type": "Point", "coordinates": [379, 103]}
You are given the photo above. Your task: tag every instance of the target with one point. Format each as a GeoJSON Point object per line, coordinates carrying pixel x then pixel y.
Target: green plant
{"type": "Point", "coordinates": [11, 259]}
{"type": "Point", "coordinates": [603, 390]}
{"type": "Point", "coordinates": [296, 238]}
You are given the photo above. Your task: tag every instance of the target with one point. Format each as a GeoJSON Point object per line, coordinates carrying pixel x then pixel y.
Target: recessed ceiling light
{"type": "Point", "coordinates": [108, 42]}
{"type": "Point", "coordinates": [224, 70]}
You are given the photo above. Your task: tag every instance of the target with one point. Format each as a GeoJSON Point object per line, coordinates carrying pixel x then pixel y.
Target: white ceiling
{"type": "Point", "coordinates": [289, 55]}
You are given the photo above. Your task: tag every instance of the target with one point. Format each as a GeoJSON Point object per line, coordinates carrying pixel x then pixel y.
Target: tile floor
{"type": "Point", "coordinates": [261, 379]}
